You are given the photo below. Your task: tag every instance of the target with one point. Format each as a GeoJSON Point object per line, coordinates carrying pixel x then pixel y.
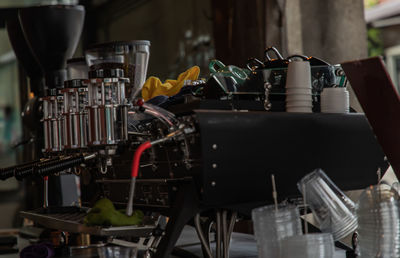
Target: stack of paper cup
{"type": "Point", "coordinates": [335, 100]}
{"type": "Point", "coordinates": [298, 87]}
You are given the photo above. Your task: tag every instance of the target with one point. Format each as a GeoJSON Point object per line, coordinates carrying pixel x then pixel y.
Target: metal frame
{"type": "Point", "coordinates": [72, 222]}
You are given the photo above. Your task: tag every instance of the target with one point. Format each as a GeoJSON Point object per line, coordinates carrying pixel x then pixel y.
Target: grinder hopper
{"type": "Point", "coordinates": [52, 33]}
{"type": "Point", "coordinates": [24, 54]}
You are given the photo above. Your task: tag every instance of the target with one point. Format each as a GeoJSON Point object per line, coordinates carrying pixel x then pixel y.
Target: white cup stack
{"type": "Point", "coordinates": [335, 100]}
{"type": "Point", "coordinates": [298, 87]}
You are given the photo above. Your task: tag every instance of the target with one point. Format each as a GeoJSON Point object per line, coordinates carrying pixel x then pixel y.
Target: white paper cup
{"type": "Point", "coordinates": [298, 74]}
{"type": "Point", "coordinates": [335, 100]}
{"type": "Point", "coordinates": [299, 103]}
{"type": "Point", "coordinates": [299, 109]}
{"type": "Point", "coordinates": [297, 86]}
{"type": "Point", "coordinates": [297, 97]}
{"type": "Point", "coordinates": [298, 90]}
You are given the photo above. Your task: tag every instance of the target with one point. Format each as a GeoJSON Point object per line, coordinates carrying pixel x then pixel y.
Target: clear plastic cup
{"type": "Point", "coordinates": [117, 252]}
{"type": "Point", "coordinates": [378, 211]}
{"type": "Point", "coordinates": [270, 226]}
{"type": "Point", "coordinates": [332, 209]}
{"type": "Point", "coordinates": [308, 246]}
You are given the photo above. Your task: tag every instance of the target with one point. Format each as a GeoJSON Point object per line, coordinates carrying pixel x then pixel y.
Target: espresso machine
{"type": "Point", "coordinates": [199, 162]}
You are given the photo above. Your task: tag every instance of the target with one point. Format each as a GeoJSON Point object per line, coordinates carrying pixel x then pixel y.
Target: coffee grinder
{"type": "Point", "coordinates": [52, 34]}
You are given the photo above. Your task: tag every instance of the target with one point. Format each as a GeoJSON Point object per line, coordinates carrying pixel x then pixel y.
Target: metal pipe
{"type": "Point", "coordinates": [46, 192]}
{"type": "Point", "coordinates": [165, 121]}
{"type": "Point", "coordinates": [161, 114]}
{"type": "Point", "coordinates": [218, 226]}
{"type": "Point", "coordinates": [201, 235]}
{"type": "Point", "coordinates": [224, 233]}
{"type": "Point", "coordinates": [165, 113]}
{"type": "Point", "coordinates": [230, 229]}
{"type": "Point", "coordinates": [90, 156]}
{"type": "Point", "coordinates": [129, 207]}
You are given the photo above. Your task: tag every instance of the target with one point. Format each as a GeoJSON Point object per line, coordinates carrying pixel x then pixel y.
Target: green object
{"type": "Point", "coordinates": [217, 67]}
{"type": "Point", "coordinates": [375, 44]}
{"type": "Point", "coordinates": [104, 213]}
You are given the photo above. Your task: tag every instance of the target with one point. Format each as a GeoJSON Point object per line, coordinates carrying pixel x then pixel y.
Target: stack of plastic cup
{"type": "Point", "coordinates": [378, 213]}
{"type": "Point", "coordinates": [335, 100]}
{"type": "Point", "coordinates": [308, 246]}
{"type": "Point", "coordinates": [332, 209]}
{"type": "Point", "coordinates": [117, 252]}
{"type": "Point", "coordinates": [298, 87]}
{"type": "Point", "coordinates": [271, 226]}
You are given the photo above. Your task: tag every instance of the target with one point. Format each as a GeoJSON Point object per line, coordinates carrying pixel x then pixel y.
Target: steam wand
{"type": "Point", "coordinates": [136, 162]}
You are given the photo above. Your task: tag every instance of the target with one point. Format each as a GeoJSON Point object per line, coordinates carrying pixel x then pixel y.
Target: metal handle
{"type": "Point", "coordinates": [276, 52]}
{"type": "Point", "coordinates": [214, 63]}
{"type": "Point", "coordinates": [254, 63]}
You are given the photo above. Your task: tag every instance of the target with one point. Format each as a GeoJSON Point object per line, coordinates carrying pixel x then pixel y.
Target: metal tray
{"type": "Point", "coordinates": [72, 221]}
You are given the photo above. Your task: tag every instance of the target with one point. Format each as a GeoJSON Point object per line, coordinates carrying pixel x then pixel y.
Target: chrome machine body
{"type": "Point", "coordinates": [107, 110]}
{"type": "Point", "coordinates": [53, 123]}
{"type": "Point", "coordinates": [75, 115]}
{"type": "Point", "coordinates": [75, 94]}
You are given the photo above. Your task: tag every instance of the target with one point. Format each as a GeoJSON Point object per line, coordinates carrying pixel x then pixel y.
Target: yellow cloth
{"type": "Point", "coordinates": [154, 87]}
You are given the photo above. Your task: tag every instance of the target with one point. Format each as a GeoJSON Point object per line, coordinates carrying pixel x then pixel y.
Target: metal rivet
{"type": "Point", "coordinates": [213, 183]}
{"type": "Point", "coordinates": [214, 165]}
{"type": "Point", "coordinates": [214, 146]}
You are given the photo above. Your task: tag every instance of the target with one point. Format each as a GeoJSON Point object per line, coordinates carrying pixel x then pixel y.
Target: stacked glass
{"type": "Point", "coordinates": [379, 223]}
{"type": "Point", "coordinates": [117, 252]}
{"type": "Point", "coordinates": [332, 209]}
{"type": "Point", "coordinates": [271, 225]}
{"type": "Point", "coordinates": [308, 246]}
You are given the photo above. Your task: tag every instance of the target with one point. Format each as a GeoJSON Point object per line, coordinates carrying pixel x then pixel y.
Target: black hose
{"type": "Point", "coordinates": [24, 171]}
{"type": "Point", "coordinates": [54, 167]}
{"type": "Point", "coordinates": [27, 170]}
{"type": "Point", "coordinates": [8, 172]}
{"type": "Point", "coordinates": [40, 168]}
